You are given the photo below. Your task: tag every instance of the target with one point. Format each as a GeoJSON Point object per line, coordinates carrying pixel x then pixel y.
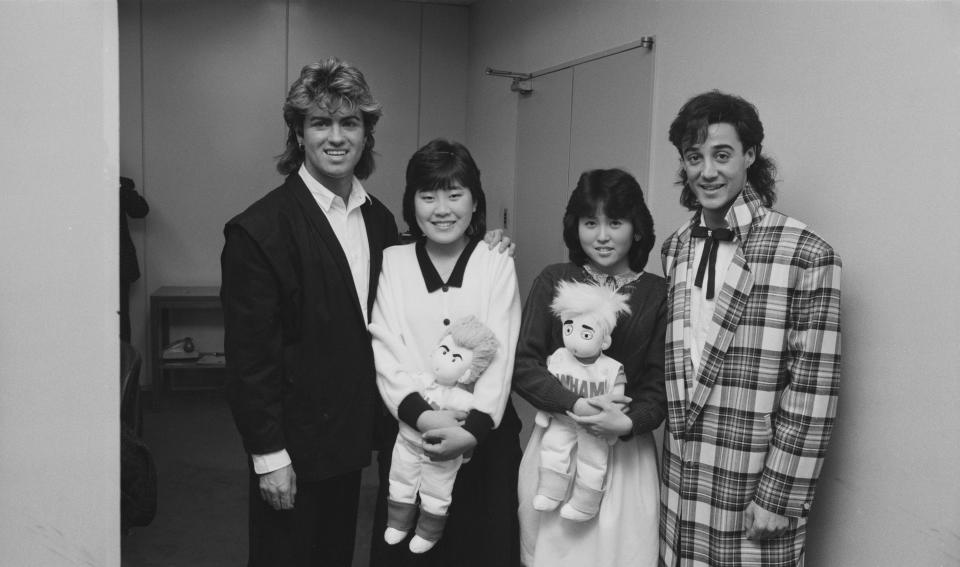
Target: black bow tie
{"type": "Point", "coordinates": [709, 257]}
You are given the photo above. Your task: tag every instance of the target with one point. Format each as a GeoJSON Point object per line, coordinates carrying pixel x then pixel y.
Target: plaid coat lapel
{"type": "Point", "coordinates": [731, 301]}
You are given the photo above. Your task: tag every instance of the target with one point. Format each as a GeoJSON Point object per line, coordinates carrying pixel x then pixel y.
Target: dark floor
{"type": "Point", "coordinates": [201, 516]}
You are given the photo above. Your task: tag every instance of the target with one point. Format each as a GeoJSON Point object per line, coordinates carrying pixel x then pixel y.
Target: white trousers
{"type": "Point", "coordinates": [561, 437]}
{"type": "Point", "coordinates": [413, 473]}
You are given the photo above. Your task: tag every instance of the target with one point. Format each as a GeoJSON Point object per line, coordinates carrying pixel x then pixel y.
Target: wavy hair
{"type": "Point", "coordinates": [714, 107]}
{"type": "Point", "coordinates": [330, 84]}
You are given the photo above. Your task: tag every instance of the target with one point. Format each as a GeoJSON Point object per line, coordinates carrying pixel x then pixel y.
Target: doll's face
{"type": "Point", "coordinates": [450, 362]}
{"type": "Point", "coordinates": [583, 336]}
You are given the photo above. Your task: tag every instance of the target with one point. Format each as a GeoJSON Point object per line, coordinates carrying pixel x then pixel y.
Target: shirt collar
{"type": "Point", "coordinates": [430, 276]}
{"type": "Point", "coordinates": [740, 216]}
{"type": "Point", "coordinates": [324, 197]}
{"type": "Point", "coordinates": [619, 280]}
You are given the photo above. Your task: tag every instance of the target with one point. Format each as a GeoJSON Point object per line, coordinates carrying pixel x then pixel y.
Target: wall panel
{"type": "Point", "coordinates": [382, 38]}
{"type": "Point", "coordinates": [443, 75]}
{"type": "Point", "coordinates": [209, 128]}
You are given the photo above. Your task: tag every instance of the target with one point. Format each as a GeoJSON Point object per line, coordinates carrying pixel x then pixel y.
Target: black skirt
{"type": "Point", "coordinates": [482, 529]}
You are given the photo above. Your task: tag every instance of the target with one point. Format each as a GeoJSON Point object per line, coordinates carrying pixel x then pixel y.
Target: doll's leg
{"type": "Point", "coordinates": [559, 439]}
{"type": "Point", "coordinates": [593, 454]}
{"type": "Point", "coordinates": [400, 517]}
{"type": "Point", "coordinates": [436, 487]}
{"type": "Point", "coordinates": [405, 471]}
{"type": "Point", "coordinates": [404, 482]}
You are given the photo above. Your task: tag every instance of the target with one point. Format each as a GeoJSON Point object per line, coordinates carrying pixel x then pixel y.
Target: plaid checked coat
{"type": "Point", "coordinates": [753, 424]}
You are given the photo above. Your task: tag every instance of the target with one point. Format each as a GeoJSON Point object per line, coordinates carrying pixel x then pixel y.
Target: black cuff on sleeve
{"type": "Point", "coordinates": [478, 424]}
{"type": "Point", "coordinates": [410, 409]}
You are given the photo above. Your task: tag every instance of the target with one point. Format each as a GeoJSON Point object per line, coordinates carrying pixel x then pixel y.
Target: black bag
{"type": "Point", "coordinates": [138, 481]}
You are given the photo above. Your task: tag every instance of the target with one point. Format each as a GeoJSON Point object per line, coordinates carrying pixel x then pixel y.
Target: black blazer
{"type": "Point", "coordinates": [300, 373]}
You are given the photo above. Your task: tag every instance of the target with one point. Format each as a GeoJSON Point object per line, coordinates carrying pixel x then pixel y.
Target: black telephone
{"type": "Point", "coordinates": [182, 349]}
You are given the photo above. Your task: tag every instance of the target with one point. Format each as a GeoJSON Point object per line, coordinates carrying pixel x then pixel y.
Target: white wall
{"type": "Point", "coordinates": [203, 84]}
{"type": "Point", "coordinates": [59, 356]}
{"type": "Point", "coordinates": [860, 108]}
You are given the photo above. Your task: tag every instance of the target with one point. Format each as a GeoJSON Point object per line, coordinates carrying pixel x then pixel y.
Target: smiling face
{"type": "Point", "coordinates": [450, 363]}
{"type": "Point", "coordinates": [332, 146]}
{"type": "Point", "coordinates": [606, 242]}
{"type": "Point", "coordinates": [583, 336]}
{"type": "Point", "coordinates": [717, 171]}
{"type": "Point", "coordinates": [444, 215]}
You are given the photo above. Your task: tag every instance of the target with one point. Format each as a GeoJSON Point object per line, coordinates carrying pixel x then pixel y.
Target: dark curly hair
{"type": "Point", "coordinates": [621, 198]}
{"type": "Point", "coordinates": [714, 107]}
{"type": "Point", "coordinates": [438, 165]}
{"type": "Point", "coordinates": [330, 84]}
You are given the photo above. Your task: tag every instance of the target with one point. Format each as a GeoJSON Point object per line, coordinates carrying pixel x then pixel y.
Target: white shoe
{"type": "Point", "coordinates": [543, 503]}
{"type": "Point", "coordinates": [393, 536]}
{"type": "Point", "coordinates": [420, 545]}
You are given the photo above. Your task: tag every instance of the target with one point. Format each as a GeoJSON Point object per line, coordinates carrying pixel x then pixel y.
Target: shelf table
{"type": "Point", "coordinates": [163, 301]}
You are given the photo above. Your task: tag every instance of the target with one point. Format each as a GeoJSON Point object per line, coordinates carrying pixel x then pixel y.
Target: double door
{"type": "Point", "coordinates": [587, 115]}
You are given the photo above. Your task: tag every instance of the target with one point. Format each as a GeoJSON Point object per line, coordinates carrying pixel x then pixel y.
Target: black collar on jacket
{"type": "Point", "coordinates": [430, 276]}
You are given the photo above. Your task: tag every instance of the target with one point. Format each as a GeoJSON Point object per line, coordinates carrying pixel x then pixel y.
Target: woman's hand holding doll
{"type": "Point", "coordinates": [603, 415]}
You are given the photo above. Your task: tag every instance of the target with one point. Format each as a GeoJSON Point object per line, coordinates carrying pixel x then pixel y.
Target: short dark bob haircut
{"type": "Point", "coordinates": [330, 84]}
{"type": "Point", "coordinates": [621, 198]}
{"type": "Point", "coordinates": [714, 107]}
{"type": "Point", "coordinates": [439, 165]}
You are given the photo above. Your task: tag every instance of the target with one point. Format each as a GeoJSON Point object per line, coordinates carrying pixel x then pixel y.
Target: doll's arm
{"type": "Point", "coordinates": [620, 382]}
{"type": "Point", "coordinates": [458, 399]}
{"type": "Point", "coordinates": [609, 421]}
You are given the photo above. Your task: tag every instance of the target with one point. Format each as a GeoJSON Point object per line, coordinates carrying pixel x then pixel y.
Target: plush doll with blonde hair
{"type": "Point", "coordinates": [466, 349]}
{"type": "Point", "coordinates": [588, 313]}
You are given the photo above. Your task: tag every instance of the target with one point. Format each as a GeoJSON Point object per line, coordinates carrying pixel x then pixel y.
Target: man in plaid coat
{"type": "Point", "coordinates": [753, 352]}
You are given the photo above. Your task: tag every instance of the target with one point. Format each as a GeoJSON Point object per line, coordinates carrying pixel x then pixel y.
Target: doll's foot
{"type": "Point", "coordinates": [420, 545]}
{"type": "Point", "coordinates": [400, 516]}
{"type": "Point", "coordinates": [543, 503]}
{"type": "Point", "coordinates": [570, 513]}
{"type": "Point", "coordinates": [552, 489]}
{"type": "Point", "coordinates": [584, 503]}
{"type": "Point", "coordinates": [393, 536]}
{"type": "Point", "coordinates": [429, 531]}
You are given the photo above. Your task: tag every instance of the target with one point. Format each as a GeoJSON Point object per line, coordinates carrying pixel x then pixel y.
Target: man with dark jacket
{"type": "Point", "coordinates": [300, 269]}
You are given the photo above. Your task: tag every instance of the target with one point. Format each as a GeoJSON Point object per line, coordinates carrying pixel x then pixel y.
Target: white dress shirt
{"type": "Point", "coordinates": [701, 308]}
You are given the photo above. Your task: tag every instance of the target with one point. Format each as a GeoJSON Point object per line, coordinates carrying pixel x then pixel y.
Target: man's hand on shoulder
{"type": "Point", "coordinates": [498, 238]}
{"type": "Point", "coordinates": [279, 488]}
